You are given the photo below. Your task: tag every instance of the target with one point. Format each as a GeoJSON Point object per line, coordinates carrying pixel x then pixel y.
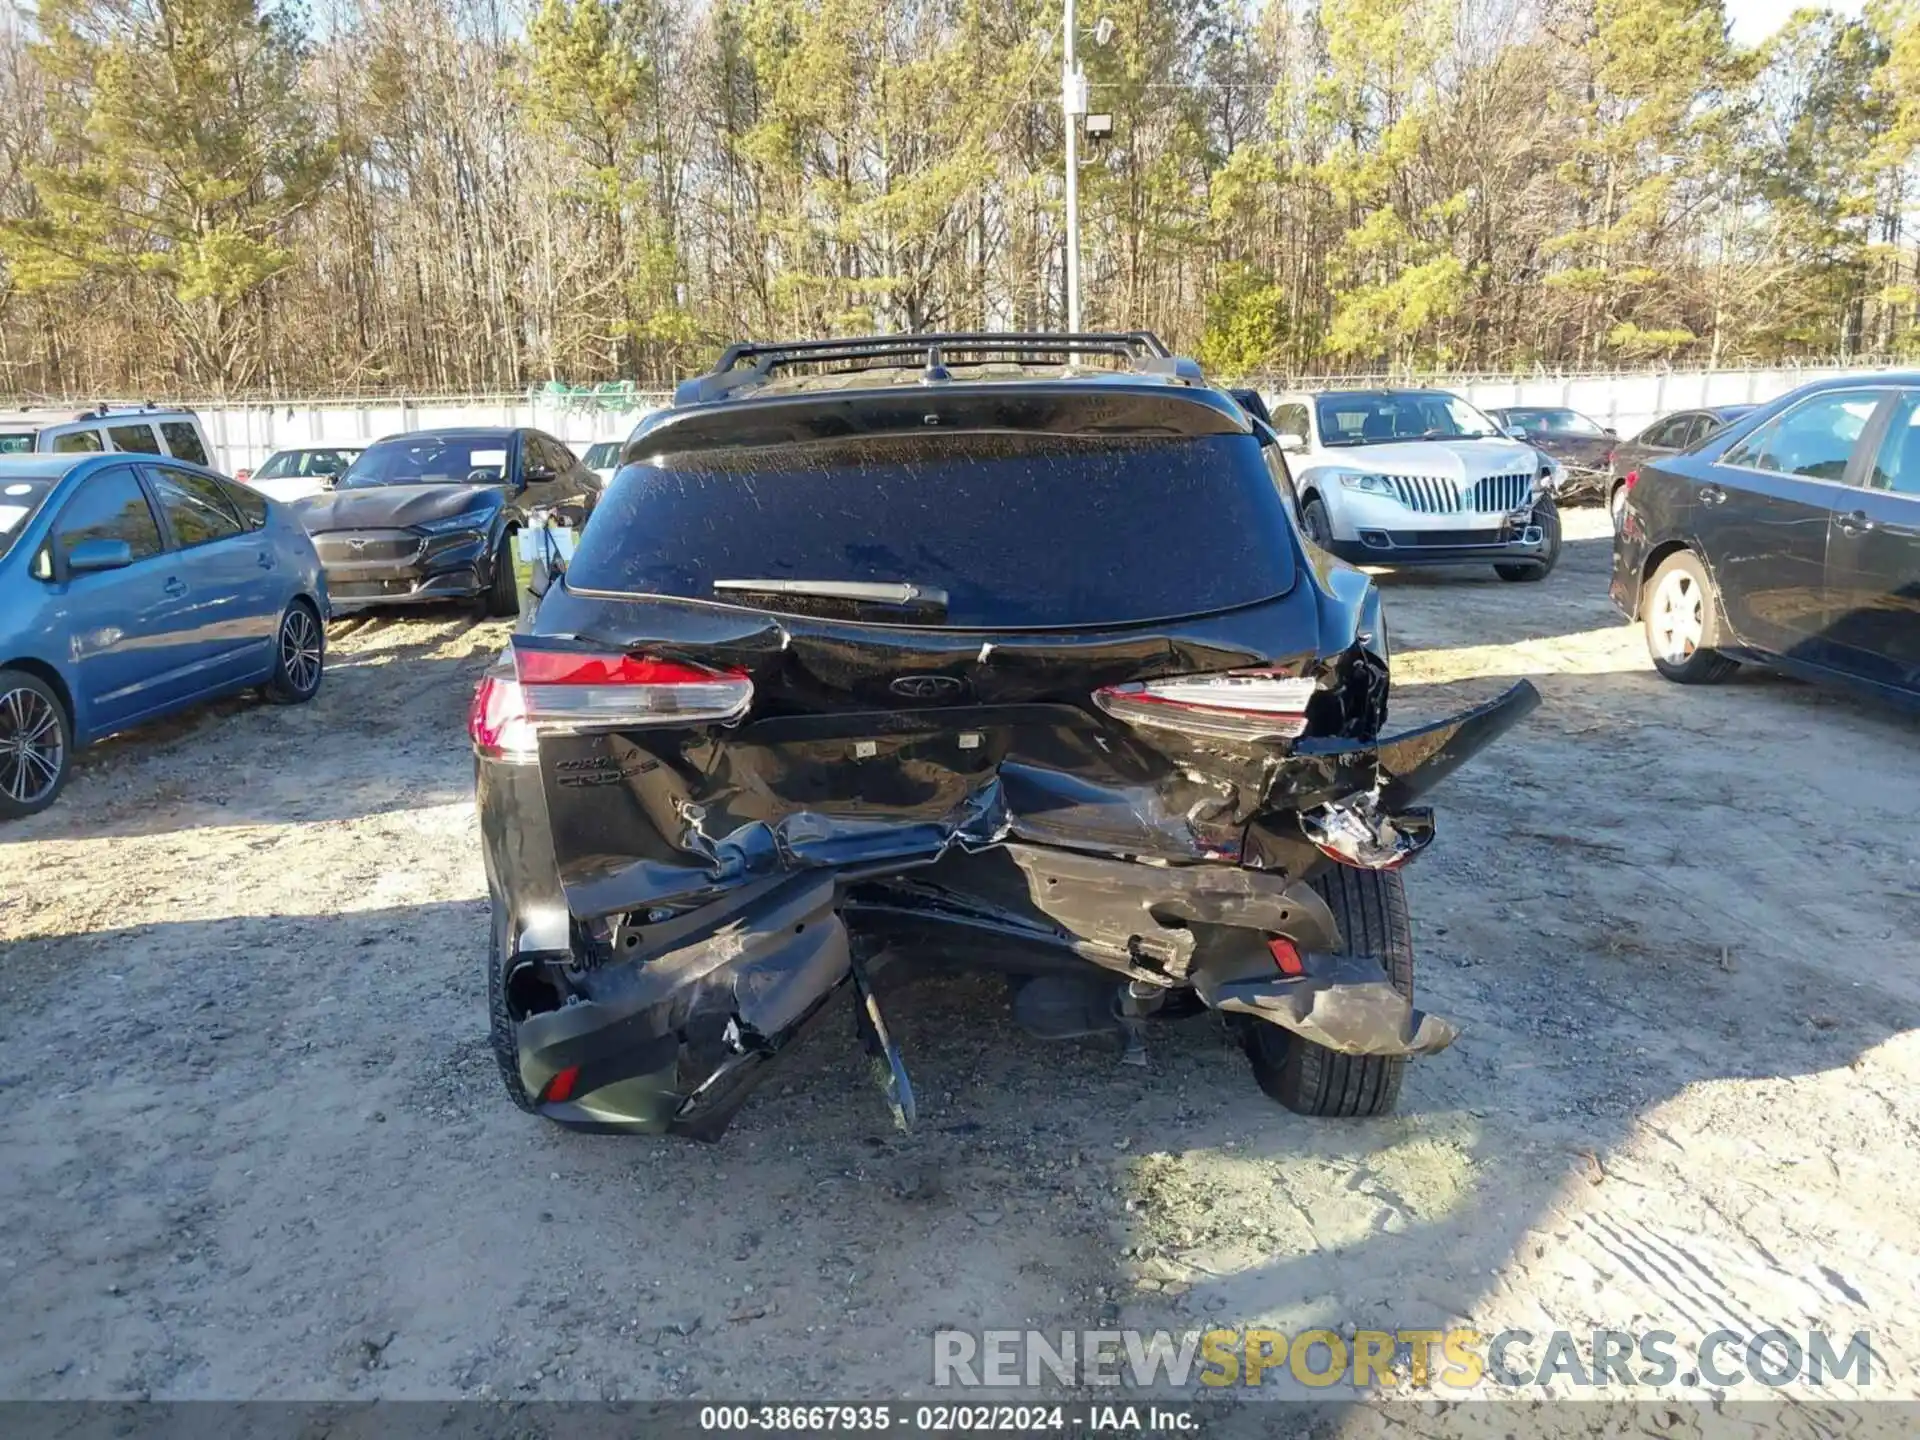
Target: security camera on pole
{"type": "Point", "coordinates": [1073, 103]}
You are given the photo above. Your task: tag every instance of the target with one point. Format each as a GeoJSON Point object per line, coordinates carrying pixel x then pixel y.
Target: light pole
{"type": "Point", "coordinates": [1073, 104]}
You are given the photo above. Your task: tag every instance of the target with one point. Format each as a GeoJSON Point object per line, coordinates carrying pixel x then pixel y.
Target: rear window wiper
{"type": "Point", "coordinates": [859, 592]}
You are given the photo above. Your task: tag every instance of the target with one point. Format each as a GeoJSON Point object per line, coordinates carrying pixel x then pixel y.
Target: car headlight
{"type": "Point", "coordinates": [451, 524]}
{"type": "Point", "coordinates": [1365, 481]}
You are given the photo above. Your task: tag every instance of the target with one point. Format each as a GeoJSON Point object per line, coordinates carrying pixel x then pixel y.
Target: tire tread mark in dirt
{"type": "Point", "coordinates": [1653, 1262]}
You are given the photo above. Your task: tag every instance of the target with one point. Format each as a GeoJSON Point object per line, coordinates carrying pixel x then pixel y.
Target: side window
{"type": "Point", "coordinates": [1693, 432]}
{"type": "Point", "coordinates": [1815, 439]}
{"type": "Point", "coordinates": [110, 506]}
{"type": "Point", "coordinates": [1897, 466]}
{"type": "Point", "coordinates": [537, 453]}
{"type": "Point", "coordinates": [1667, 433]}
{"type": "Point", "coordinates": [183, 442]}
{"type": "Point", "coordinates": [563, 458]}
{"type": "Point", "coordinates": [196, 506]}
{"type": "Point", "coordinates": [135, 439]}
{"type": "Point", "coordinates": [78, 441]}
{"type": "Point", "coordinates": [1291, 420]}
{"type": "Point", "coordinates": [250, 505]}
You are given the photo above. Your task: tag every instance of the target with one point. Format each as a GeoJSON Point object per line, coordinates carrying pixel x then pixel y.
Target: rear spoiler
{"type": "Point", "coordinates": [1085, 408]}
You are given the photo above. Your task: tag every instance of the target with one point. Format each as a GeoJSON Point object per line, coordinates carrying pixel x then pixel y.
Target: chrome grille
{"type": "Point", "coordinates": [1428, 494]}
{"type": "Point", "coordinates": [1498, 494]}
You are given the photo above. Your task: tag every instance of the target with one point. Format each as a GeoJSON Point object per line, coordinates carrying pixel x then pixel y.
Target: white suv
{"type": "Point", "coordinates": [137, 429]}
{"type": "Point", "coordinates": [1418, 477]}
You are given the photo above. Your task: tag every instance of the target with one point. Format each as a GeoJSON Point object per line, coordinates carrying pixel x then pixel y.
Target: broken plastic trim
{"type": "Point", "coordinates": [1355, 832]}
{"type": "Point", "coordinates": [1344, 1002]}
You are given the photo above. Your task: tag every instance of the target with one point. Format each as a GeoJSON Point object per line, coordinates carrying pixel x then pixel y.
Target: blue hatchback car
{"type": "Point", "coordinates": [131, 586]}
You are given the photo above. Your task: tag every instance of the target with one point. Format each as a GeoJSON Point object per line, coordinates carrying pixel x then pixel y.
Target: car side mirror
{"type": "Point", "coordinates": [90, 557]}
{"type": "Point", "coordinates": [536, 473]}
{"type": "Point", "coordinates": [1293, 444]}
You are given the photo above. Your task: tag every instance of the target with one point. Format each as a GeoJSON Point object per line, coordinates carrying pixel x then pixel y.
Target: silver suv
{"type": "Point", "coordinates": [137, 429]}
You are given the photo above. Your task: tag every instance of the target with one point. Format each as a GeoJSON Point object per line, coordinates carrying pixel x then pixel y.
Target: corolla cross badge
{"type": "Point", "coordinates": [928, 687]}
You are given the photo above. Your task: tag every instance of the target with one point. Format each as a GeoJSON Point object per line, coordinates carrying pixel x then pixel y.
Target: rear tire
{"type": "Point", "coordinates": [1313, 520]}
{"type": "Point", "coordinates": [1548, 515]}
{"type": "Point", "coordinates": [1370, 906]}
{"type": "Point", "coordinates": [36, 745]}
{"type": "Point", "coordinates": [506, 1049]}
{"type": "Point", "coordinates": [299, 657]}
{"type": "Point", "coordinates": [503, 590]}
{"type": "Point", "coordinates": [1680, 612]}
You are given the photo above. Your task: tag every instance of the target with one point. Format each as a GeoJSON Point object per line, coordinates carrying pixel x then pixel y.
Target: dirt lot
{"type": "Point", "coordinates": [254, 1144]}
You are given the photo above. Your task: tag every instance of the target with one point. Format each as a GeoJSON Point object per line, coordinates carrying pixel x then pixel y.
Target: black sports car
{"type": "Point", "coordinates": [1583, 446]}
{"type": "Point", "coordinates": [430, 515]}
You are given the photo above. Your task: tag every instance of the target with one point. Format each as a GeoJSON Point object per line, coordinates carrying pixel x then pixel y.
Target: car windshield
{"type": "Point", "coordinates": [603, 456]}
{"type": "Point", "coordinates": [1381, 417]}
{"type": "Point", "coordinates": [430, 460]}
{"type": "Point", "coordinates": [21, 496]}
{"type": "Point", "coordinates": [1553, 422]}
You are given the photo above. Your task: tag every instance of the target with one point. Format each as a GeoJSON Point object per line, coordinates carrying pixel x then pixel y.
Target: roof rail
{"type": "Point", "coordinates": [754, 363]}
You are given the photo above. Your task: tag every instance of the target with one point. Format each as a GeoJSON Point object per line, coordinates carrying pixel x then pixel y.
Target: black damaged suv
{"type": "Point", "coordinates": [1003, 650]}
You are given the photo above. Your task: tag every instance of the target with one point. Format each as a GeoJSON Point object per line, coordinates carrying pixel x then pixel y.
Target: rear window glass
{"type": "Point", "coordinates": [1020, 530]}
{"type": "Point", "coordinates": [16, 442]}
{"type": "Point", "coordinates": [183, 441]}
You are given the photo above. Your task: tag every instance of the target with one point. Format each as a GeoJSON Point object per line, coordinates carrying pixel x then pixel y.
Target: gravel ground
{"type": "Point", "coordinates": [255, 1147]}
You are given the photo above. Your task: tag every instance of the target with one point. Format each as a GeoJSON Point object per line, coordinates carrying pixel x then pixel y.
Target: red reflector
{"type": "Point", "coordinates": [1286, 955]}
{"type": "Point", "coordinates": [559, 667]}
{"type": "Point", "coordinates": [1633, 479]}
{"type": "Point", "coordinates": [561, 1086]}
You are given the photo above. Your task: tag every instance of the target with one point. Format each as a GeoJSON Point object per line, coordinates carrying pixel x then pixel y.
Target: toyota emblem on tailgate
{"type": "Point", "coordinates": [928, 687]}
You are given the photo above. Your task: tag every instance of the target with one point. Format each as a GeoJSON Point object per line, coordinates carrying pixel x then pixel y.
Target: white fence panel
{"type": "Point", "coordinates": [245, 435]}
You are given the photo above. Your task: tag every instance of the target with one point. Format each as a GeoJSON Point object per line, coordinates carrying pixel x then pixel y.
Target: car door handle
{"type": "Point", "coordinates": [1712, 494]}
{"type": "Point", "coordinates": [1855, 522]}
{"type": "Point", "coordinates": [175, 586]}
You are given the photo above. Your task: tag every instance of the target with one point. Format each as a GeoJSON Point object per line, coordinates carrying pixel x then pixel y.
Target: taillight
{"type": "Point", "coordinates": [572, 690]}
{"type": "Point", "coordinates": [497, 721]}
{"type": "Point", "coordinates": [1233, 705]}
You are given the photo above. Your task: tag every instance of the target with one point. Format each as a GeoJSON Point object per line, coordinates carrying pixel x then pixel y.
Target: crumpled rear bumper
{"type": "Point", "coordinates": [671, 1030]}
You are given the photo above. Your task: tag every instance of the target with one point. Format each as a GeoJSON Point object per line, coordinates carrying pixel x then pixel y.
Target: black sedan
{"type": "Point", "coordinates": [431, 515]}
{"type": "Point", "coordinates": [1668, 435]}
{"type": "Point", "coordinates": [1791, 538]}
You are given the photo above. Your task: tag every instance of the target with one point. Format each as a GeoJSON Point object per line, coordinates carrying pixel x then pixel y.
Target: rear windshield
{"type": "Point", "coordinates": [1019, 530]}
